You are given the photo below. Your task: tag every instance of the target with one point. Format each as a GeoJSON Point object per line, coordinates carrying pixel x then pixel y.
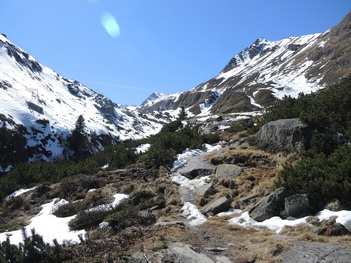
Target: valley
{"type": "Point", "coordinates": [250, 166]}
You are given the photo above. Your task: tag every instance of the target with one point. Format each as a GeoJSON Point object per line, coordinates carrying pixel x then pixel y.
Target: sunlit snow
{"type": "Point", "coordinates": [47, 225]}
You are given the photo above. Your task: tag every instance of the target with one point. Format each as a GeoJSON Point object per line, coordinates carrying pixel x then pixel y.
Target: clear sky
{"type": "Point", "coordinates": [127, 49]}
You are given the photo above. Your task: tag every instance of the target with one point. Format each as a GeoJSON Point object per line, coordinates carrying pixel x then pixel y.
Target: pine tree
{"type": "Point", "coordinates": [78, 140]}
{"type": "Point", "coordinates": [182, 113]}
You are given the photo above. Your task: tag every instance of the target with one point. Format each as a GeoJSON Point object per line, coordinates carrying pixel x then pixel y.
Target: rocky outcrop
{"type": "Point", "coordinates": [269, 206]}
{"type": "Point", "coordinates": [286, 135]}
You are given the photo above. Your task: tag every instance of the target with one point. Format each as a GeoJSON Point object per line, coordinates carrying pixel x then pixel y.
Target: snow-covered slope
{"type": "Point", "coordinates": [267, 70]}
{"type": "Point", "coordinates": [43, 107]}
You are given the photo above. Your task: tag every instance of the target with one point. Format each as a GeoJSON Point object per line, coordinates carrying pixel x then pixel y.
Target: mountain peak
{"type": "Point", "coordinates": [247, 54]}
{"type": "Point", "coordinates": [154, 96]}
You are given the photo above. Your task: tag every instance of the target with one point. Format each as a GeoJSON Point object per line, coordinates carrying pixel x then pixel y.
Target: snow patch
{"type": "Point", "coordinates": [108, 207]}
{"type": "Point", "coordinates": [48, 226]}
{"type": "Point", "coordinates": [275, 224]}
{"type": "Point", "coordinates": [19, 192]}
{"type": "Point", "coordinates": [193, 215]}
{"type": "Point", "coordinates": [142, 148]}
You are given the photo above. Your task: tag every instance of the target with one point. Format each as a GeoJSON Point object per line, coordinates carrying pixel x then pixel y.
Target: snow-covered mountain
{"type": "Point", "coordinates": [39, 109]}
{"type": "Point", "coordinates": [267, 70]}
{"type": "Point", "coordinates": [154, 96]}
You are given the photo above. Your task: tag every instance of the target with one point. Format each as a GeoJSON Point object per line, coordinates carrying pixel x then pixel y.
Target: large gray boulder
{"type": "Point", "coordinates": [216, 206]}
{"type": "Point", "coordinates": [286, 134]}
{"type": "Point", "coordinates": [269, 206]}
{"type": "Point", "coordinates": [228, 171]}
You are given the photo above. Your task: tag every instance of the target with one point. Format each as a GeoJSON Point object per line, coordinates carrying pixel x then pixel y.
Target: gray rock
{"type": "Point", "coordinates": [333, 205]}
{"type": "Point", "coordinates": [228, 171]}
{"type": "Point", "coordinates": [312, 252]}
{"type": "Point", "coordinates": [193, 163]}
{"type": "Point", "coordinates": [285, 134]}
{"type": "Point", "coordinates": [216, 206]}
{"type": "Point", "coordinates": [182, 253]}
{"type": "Point", "coordinates": [205, 190]}
{"type": "Point", "coordinates": [269, 206]}
{"type": "Point", "coordinates": [297, 205]}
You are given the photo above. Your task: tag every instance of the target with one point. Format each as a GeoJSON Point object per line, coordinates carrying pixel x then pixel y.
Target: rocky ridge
{"type": "Point", "coordinates": [265, 71]}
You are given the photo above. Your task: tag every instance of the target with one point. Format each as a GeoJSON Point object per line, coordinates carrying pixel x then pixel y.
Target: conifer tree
{"type": "Point", "coordinates": [78, 139]}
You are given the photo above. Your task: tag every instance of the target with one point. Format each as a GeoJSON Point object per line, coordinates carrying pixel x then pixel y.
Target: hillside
{"type": "Point", "coordinates": [267, 70]}
{"type": "Point", "coordinates": [40, 108]}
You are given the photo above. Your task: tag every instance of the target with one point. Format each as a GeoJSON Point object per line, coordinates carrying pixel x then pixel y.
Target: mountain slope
{"type": "Point", "coordinates": [40, 108]}
{"type": "Point", "coordinates": [267, 70]}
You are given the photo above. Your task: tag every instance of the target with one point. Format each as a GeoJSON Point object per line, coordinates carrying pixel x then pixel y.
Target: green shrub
{"type": "Point", "coordinates": [126, 215]}
{"type": "Point", "coordinates": [89, 219]}
{"type": "Point", "coordinates": [210, 138]}
{"type": "Point", "coordinates": [322, 177]}
{"type": "Point", "coordinates": [33, 249]}
{"type": "Point", "coordinates": [235, 128]}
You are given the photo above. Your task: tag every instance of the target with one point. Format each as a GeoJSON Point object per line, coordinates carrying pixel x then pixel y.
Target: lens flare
{"type": "Point", "coordinates": [110, 24]}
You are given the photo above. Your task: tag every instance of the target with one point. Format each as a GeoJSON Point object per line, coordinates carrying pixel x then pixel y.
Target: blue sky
{"type": "Point", "coordinates": [154, 45]}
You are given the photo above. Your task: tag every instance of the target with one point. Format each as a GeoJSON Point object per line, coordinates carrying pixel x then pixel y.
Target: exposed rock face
{"type": "Point", "coordinates": [269, 206]}
{"type": "Point", "coordinates": [228, 171]}
{"type": "Point", "coordinates": [286, 134]}
{"type": "Point", "coordinates": [297, 205]}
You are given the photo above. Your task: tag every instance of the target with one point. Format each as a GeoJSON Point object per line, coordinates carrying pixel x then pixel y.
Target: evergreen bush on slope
{"type": "Point", "coordinates": [324, 171]}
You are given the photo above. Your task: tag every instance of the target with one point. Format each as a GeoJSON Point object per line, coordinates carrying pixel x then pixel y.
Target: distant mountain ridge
{"type": "Point", "coordinates": [39, 108]}
{"type": "Point", "coordinates": [267, 70]}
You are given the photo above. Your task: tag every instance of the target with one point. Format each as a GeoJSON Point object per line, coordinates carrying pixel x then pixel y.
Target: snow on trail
{"type": "Point", "coordinates": [192, 214]}
{"type": "Point", "coordinates": [188, 160]}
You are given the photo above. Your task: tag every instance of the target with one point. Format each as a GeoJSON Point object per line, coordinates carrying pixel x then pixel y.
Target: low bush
{"type": "Point", "coordinates": [33, 249]}
{"type": "Point", "coordinates": [322, 177]}
{"type": "Point", "coordinates": [89, 219]}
